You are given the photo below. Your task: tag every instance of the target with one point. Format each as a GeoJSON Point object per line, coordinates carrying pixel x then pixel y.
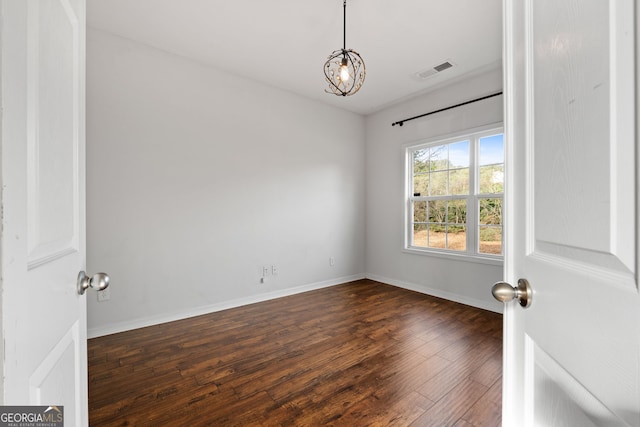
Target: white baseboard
{"type": "Point", "coordinates": [485, 305]}
{"type": "Point", "coordinates": [114, 328]}
{"type": "Point", "coordinates": [198, 311]}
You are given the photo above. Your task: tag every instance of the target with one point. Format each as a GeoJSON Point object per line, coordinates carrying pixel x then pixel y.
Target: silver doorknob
{"type": "Point", "coordinates": [504, 292]}
{"type": "Point", "coordinates": [98, 281]}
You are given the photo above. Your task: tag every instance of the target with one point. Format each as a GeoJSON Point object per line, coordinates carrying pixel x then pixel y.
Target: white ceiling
{"type": "Point", "coordinates": [285, 43]}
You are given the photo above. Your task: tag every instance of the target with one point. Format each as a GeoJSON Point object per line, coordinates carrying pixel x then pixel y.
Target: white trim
{"type": "Point", "coordinates": [198, 311]}
{"type": "Point", "coordinates": [511, 399]}
{"type": "Point", "coordinates": [456, 255]}
{"type": "Point", "coordinates": [439, 293]}
{"type": "Point", "coordinates": [621, 122]}
{"type": "Point", "coordinates": [473, 135]}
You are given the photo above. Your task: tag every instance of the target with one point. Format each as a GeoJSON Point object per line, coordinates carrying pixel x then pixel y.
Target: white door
{"type": "Point", "coordinates": [573, 357]}
{"type": "Point", "coordinates": [43, 205]}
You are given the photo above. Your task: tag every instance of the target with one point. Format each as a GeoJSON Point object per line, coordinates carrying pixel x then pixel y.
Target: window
{"type": "Point", "coordinates": [455, 193]}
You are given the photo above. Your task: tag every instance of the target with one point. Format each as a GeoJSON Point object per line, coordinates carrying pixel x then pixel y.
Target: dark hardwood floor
{"type": "Point", "coordinates": [358, 354]}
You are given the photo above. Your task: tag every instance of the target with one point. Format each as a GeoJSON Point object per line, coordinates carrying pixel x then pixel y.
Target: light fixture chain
{"type": "Point", "coordinates": [344, 25]}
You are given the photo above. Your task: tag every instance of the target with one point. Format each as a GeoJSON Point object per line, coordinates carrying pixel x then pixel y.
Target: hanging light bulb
{"type": "Point", "coordinates": [344, 69]}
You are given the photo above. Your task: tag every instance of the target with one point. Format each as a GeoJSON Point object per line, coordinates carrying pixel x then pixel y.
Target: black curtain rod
{"type": "Point", "coordinates": [401, 122]}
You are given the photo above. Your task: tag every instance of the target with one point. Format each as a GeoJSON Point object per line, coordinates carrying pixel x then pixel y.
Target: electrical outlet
{"type": "Point", "coordinates": [274, 270]}
{"type": "Point", "coordinates": [332, 261]}
{"type": "Point", "coordinates": [104, 295]}
{"type": "Point", "coordinates": [265, 271]}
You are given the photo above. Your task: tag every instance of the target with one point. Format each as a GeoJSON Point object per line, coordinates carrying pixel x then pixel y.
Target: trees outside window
{"type": "Point", "coordinates": [455, 195]}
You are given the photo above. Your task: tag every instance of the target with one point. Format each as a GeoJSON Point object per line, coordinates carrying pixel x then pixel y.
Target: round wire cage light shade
{"type": "Point", "coordinates": [340, 63]}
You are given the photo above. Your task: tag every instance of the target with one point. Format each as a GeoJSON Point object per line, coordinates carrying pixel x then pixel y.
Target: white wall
{"type": "Point", "coordinates": [197, 178]}
{"type": "Point", "coordinates": [464, 282]}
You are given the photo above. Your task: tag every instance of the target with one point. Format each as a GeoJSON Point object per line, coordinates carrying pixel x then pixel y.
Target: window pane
{"type": "Point", "coordinates": [437, 211]}
{"type": "Point", "coordinates": [457, 210]}
{"type": "Point", "coordinates": [490, 211]}
{"type": "Point", "coordinates": [459, 155]}
{"type": "Point", "coordinates": [420, 235]}
{"type": "Point", "coordinates": [421, 161]}
{"type": "Point", "coordinates": [491, 150]}
{"type": "Point", "coordinates": [490, 240]}
{"type": "Point", "coordinates": [438, 183]}
{"type": "Point", "coordinates": [420, 212]}
{"type": "Point", "coordinates": [421, 185]}
{"type": "Point", "coordinates": [456, 238]}
{"type": "Point", "coordinates": [438, 158]}
{"type": "Point", "coordinates": [459, 181]}
{"type": "Point", "coordinates": [491, 179]}
{"type": "Point", "coordinates": [437, 236]}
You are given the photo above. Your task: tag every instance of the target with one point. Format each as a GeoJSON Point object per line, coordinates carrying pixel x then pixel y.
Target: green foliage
{"type": "Point", "coordinates": [440, 212]}
{"type": "Point", "coordinates": [421, 184]}
{"type": "Point", "coordinates": [421, 161]}
{"type": "Point", "coordinates": [459, 181]}
{"type": "Point", "coordinates": [437, 228]}
{"type": "Point", "coordinates": [420, 212]}
{"type": "Point", "coordinates": [490, 234]}
{"type": "Point", "coordinates": [457, 212]}
{"type": "Point", "coordinates": [437, 211]}
{"type": "Point", "coordinates": [491, 211]}
{"type": "Point", "coordinates": [455, 229]}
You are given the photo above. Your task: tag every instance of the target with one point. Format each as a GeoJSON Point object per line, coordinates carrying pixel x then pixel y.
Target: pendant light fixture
{"type": "Point", "coordinates": [344, 71]}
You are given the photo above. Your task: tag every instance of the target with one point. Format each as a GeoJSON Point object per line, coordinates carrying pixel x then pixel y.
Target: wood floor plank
{"type": "Point", "coordinates": [486, 412]}
{"type": "Point", "coordinates": [358, 354]}
{"type": "Point", "coordinates": [448, 410]}
{"type": "Point", "coordinates": [491, 369]}
{"type": "Point", "coordinates": [436, 387]}
{"type": "Point", "coordinates": [374, 412]}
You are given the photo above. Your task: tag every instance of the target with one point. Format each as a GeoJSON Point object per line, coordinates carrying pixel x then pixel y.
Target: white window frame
{"type": "Point", "coordinates": [472, 253]}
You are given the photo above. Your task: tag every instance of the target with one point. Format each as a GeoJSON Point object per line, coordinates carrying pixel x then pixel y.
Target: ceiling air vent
{"type": "Point", "coordinates": [425, 74]}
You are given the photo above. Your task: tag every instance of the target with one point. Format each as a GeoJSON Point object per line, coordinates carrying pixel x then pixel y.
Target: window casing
{"type": "Point", "coordinates": [455, 195]}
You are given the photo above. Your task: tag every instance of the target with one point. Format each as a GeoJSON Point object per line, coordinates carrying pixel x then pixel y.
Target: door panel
{"type": "Point", "coordinates": [581, 130]}
{"type": "Point", "coordinates": [53, 105]}
{"type": "Point", "coordinates": [43, 233]}
{"type": "Point", "coordinates": [565, 53]}
{"type": "Point", "coordinates": [556, 395]}
{"type": "Point", "coordinates": [572, 357]}
{"type": "Point", "coordinates": [52, 381]}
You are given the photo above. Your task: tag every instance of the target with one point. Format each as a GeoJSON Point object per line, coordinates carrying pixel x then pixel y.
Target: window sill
{"type": "Point", "coordinates": [455, 256]}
